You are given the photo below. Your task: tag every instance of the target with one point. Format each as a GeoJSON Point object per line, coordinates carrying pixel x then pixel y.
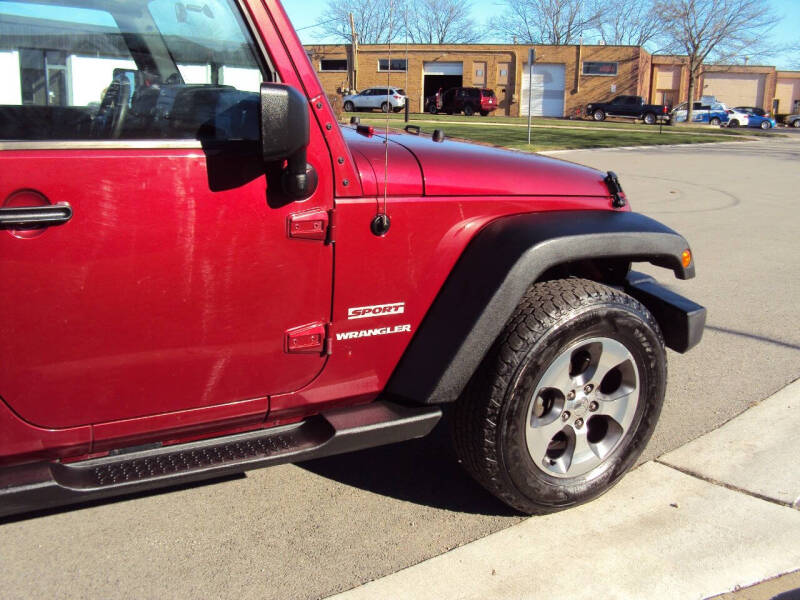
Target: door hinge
{"type": "Point", "coordinates": [312, 225]}
{"type": "Point", "coordinates": [313, 338]}
{"type": "Point", "coordinates": [332, 222]}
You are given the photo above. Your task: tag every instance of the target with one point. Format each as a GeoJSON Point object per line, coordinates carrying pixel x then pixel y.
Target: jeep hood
{"type": "Point", "coordinates": [420, 166]}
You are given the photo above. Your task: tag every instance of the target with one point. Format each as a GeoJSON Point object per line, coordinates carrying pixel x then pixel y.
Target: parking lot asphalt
{"type": "Point", "coordinates": [307, 531]}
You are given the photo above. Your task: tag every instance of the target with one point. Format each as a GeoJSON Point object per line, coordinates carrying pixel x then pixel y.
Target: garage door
{"type": "Point", "coordinates": [735, 89]}
{"type": "Point", "coordinates": [548, 90]}
{"type": "Point", "coordinates": [443, 68]}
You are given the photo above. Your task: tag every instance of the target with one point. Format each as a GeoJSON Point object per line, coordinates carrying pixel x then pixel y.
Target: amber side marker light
{"type": "Point", "coordinates": [686, 258]}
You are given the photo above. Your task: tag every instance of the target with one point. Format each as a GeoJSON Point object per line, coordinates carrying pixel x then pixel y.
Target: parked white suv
{"type": "Point", "coordinates": [386, 99]}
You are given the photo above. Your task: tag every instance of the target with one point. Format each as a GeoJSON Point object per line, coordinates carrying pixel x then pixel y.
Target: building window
{"type": "Point", "coordinates": [608, 69]}
{"type": "Point", "coordinates": [329, 64]}
{"type": "Point", "coordinates": [397, 64]}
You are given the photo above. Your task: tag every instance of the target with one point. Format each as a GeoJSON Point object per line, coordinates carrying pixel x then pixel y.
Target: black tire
{"type": "Point", "coordinates": [432, 108]}
{"type": "Point", "coordinates": [349, 107]}
{"type": "Point", "coordinates": [599, 115]}
{"type": "Point", "coordinates": [649, 119]}
{"type": "Point", "coordinates": [469, 110]}
{"type": "Point", "coordinates": [733, 123]}
{"type": "Point", "coordinates": [796, 123]}
{"type": "Point", "coordinates": [716, 122]}
{"type": "Point", "coordinates": [765, 125]}
{"type": "Point", "coordinates": [489, 424]}
{"type": "Point", "coordinates": [484, 113]}
{"type": "Point", "coordinates": [386, 107]}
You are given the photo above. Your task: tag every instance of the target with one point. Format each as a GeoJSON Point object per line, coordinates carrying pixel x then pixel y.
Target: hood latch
{"type": "Point", "coordinates": [615, 189]}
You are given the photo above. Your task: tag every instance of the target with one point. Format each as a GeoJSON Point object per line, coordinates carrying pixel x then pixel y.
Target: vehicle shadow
{"type": "Point", "coordinates": [423, 471]}
{"type": "Point", "coordinates": [69, 508]}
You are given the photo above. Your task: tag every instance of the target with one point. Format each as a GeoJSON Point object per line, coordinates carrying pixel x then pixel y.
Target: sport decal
{"type": "Point", "coordinates": [366, 312]}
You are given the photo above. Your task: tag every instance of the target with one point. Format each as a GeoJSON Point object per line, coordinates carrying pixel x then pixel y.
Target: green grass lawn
{"type": "Point", "coordinates": [557, 138]}
{"type": "Point", "coordinates": [511, 123]}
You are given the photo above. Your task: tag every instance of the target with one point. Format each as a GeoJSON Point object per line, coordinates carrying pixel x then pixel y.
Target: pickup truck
{"type": "Point", "coordinates": [632, 107]}
{"type": "Point", "coordinates": [204, 273]}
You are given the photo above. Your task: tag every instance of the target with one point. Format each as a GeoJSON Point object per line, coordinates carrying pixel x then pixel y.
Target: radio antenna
{"type": "Point", "coordinates": [382, 222]}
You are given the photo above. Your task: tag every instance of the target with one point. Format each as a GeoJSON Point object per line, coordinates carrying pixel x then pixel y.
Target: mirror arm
{"type": "Point", "coordinates": [299, 178]}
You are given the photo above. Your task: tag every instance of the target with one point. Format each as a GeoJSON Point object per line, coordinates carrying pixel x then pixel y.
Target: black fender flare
{"type": "Point", "coordinates": [495, 270]}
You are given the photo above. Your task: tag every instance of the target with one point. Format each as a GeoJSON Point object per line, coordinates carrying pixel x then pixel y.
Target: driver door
{"type": "Point", "coordinates": [173, 282]}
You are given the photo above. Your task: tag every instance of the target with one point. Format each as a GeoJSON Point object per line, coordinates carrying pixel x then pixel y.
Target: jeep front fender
{"type": "Point", "coordinates": [494, 272]}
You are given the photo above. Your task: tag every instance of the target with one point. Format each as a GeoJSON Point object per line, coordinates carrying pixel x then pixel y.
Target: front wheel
{"type": "Point", "coordinates": [765, 125]}
{"type": "Point", "coordinates": [349, 106]}
{"type": "Point", "coordinates": [468, 110]}
{"type": "Point", "coordinates": [796, 123]}
{"type": "Point", "coordinates": [599, 115]}
{"type": "Point", "coordinates": [566, 399]}
{"type": "Point", "coordinates": [432, 109]}
{"type": "Point", "coordinates": [715, 122]}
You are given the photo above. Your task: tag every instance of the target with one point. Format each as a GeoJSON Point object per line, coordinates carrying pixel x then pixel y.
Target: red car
{"type": "Point", "coordinates": [204, 273]}
{"type": "Point", "coordinates": [463, 99]}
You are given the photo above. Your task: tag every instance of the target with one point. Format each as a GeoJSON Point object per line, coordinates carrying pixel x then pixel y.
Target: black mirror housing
{"type": "Point", "coordinates": [285, 135]}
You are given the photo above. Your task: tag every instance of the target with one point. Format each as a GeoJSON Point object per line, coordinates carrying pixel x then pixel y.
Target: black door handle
{"type": "Point", "coordinates": [33, 217]}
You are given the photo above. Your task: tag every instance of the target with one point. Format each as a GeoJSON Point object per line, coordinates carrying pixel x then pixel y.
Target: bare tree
{"type": "Point", "coordinates": [544, 21]}
{"type": "Point", "coordinates": [714, 31]}
{"type": "Point", "coordinates": [628, 22]}
{"type": "Point", "coordinates": [439, 22]}
{"type": "Point", "coordinates": [375, 21]}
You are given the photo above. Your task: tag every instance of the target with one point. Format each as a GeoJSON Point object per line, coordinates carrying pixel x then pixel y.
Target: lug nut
{"type": "Point", "coordinates": [594, 406]}
{"type": "Point", "coordinates": [588, 389]}
{"type": "Point", "coordinates": [578, 423]}
{"type": "Point", "coordinates": [565, 416]}
{"type": "Point", "coordinates": [571, 395]}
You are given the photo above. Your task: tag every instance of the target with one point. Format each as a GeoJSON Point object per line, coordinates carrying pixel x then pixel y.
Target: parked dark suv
{"type": "Point", "coordinates": [462, 99]}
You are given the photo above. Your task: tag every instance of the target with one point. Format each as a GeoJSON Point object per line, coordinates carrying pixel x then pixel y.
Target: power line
{"type": "Point", "coordinates": [315, 25]}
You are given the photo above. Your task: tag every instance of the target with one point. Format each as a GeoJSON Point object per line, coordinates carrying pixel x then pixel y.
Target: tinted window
{"type": "Point", "coordinates": [327, 64]}
{"type": "Point", "coordinates": [395, 64]}
{"type": "Point", "coordinates": [138, 70]}
{"type": "Point", "coordinates": [600, 68]}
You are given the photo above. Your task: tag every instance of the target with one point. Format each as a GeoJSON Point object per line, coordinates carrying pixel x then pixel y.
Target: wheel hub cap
{"type": "Point", "coordinates": [582, 407]}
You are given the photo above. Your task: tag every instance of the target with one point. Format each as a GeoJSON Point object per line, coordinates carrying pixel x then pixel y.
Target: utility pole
{"type": "Point", "coordinates": [531, 60]}
{"type": "Point", "coordinates": [354, 67]}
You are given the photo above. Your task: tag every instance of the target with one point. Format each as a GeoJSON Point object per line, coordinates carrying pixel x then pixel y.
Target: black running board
{"type": "Point", "coordinates": [40, 486]}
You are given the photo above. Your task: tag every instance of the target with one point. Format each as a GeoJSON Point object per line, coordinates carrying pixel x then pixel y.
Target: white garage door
{"type": "Point", "coordinates": [548, 90]}
{"type": "Point", "coordinates": [735, 89]}
{"type": "Point", "coordinates": [443, 68]}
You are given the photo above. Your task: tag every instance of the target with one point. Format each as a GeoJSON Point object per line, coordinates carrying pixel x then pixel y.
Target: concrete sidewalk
{"type": "Point", "coordinates": [713, 516]}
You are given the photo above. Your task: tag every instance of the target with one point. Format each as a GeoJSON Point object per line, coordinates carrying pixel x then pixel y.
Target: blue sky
{"type": "Point", "coordinates": [306, 12]}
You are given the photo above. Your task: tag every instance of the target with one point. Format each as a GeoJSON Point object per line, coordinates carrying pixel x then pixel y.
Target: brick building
{"type": "Point", "coordinates": [565, 78]}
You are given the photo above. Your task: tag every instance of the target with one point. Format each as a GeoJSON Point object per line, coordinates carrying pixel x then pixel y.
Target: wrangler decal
{"type": "Point", "coordinates": [354, 335]}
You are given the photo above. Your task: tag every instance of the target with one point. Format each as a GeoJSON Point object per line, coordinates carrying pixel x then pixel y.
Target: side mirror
{"type": "Point", "coordinates": [285, 136]}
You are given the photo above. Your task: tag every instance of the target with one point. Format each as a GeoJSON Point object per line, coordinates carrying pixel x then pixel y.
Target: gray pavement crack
{"type": "Point", "coordinates": [728, 486]}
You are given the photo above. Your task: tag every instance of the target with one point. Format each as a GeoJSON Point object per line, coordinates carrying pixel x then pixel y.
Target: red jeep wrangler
{"type": "Point", "coordinates": [204, 273]}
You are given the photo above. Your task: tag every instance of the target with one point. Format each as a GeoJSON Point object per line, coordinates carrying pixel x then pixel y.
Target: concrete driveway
{"type": "Point", "coordinates": [310, 530]}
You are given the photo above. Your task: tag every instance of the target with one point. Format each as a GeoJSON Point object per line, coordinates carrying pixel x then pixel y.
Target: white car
{"type": "Point", "coordinates": [386, 99]}
{"type": "Point", "coordinates": [737, 118]}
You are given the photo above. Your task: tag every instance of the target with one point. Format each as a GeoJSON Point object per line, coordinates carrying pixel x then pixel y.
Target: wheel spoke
{"type": "Point", "coordinates": [557, 375]}
{"type": "Point", "coordinates": [612, 356]}
{"type": "Point", "coordinates": [620, 408]}
{"type": "Point", "coordinates": [539, 438]}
